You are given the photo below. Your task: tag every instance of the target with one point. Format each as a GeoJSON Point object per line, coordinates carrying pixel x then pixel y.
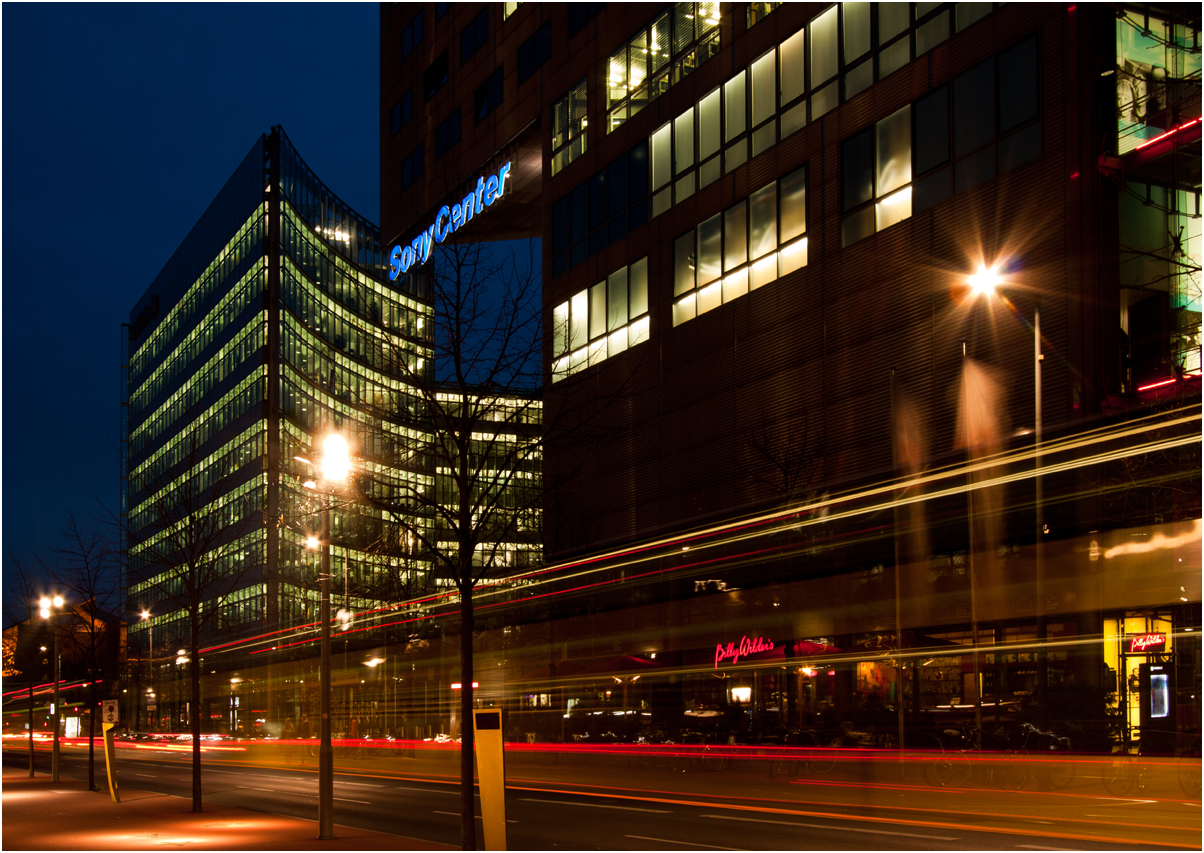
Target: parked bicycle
{"type": "Point", "coordinates": [802, 751]}
{"type": "Point", "coordinates": [1038, 754]}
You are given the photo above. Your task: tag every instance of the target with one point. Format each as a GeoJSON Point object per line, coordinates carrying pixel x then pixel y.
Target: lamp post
{"type": "Point", "coordinates": [150, 647]}
{"type": "Point", "coordinates": [334, 467]}
{"type": "Point", "coordinates": [984, 282]}
{"type": "Point", "coordinates": [49, 607]}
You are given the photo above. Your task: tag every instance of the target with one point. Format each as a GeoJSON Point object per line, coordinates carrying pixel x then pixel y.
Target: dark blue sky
{"type": "Point", "coordinates": [121, 123]}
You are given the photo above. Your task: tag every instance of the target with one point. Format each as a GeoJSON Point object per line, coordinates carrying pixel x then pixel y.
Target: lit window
{"type": "Point", "coordinates": [747, 246]}
{"type": "Point", "coordinates": [568, 127]}
{"type": "Point", "coordinates": [601, 321]}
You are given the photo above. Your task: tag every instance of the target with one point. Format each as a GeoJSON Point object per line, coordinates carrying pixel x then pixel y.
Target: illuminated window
{"type": "Point", "coordinates": [601, 321]}
{"type": "Point", "coordinates": [509, 9]}
{"type": "Point", "coordinates": [875, 182]}
{"type": "Point", "coordinates": [747, 246]}
{"type": "Point", "coordinates": [758, 12]}
{"type": "Point", "coordinates": [568, 127]}
{"type": "Point", "coordinates": [661, 53]}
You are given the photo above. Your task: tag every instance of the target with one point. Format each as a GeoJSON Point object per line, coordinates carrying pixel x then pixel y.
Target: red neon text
{"type": "Point", "coordinates": [1146, 641]}
{"type": "Point", "coordinates": [746, 647]}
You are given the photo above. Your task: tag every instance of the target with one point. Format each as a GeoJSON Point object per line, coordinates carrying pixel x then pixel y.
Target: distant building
{"type": "Point", "coordinates": [274, 322]}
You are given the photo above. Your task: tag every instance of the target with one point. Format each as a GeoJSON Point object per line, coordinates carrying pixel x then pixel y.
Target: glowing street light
{"type": "Point", "coordinates": [984, 282]}
{"type": "Point", "coordinates": [47, 607]}
{"type": "Point", "coordinates": [334, 466]}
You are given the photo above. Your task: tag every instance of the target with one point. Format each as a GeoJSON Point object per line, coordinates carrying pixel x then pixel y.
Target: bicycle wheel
{"type": "Point", "coordinates": [1061, 771]}
{"type": "Point", "coordinates": [713, 763]}
{"type": "Point", "coordinates": [1011, 773]}
{"type": "Point", "coordinates": [951, 771]}
{"type": "Point", "coordinates": [821, 761]}
{"type": "Point", "coordinates": [1189, 775]}
{"type": "Point", "coordinates": [776, 766]}
{"type": "Point", "coordinates": [1120, 775]}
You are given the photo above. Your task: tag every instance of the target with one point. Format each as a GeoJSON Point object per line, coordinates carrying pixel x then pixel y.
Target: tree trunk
{"type": "Point", "coordinates": [468, 806]}
{"type": "Point", "coordinates": [194, 711]}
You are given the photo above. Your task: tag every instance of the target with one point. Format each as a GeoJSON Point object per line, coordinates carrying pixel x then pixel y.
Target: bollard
{"type": "Point", "coordinates": [491, 776]}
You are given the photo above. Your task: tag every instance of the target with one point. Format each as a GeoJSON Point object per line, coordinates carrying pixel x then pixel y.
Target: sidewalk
{"type": "Point", "coordinates": [39, 815]}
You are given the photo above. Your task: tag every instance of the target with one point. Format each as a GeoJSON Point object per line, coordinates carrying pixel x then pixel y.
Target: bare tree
{"type": "Point", "coordinates": [195, 537]}
{"type": "Point", "coordinates": [87, 570]}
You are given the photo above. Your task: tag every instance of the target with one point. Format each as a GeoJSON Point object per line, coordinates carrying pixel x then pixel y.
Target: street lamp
{"type": "Point", "coordinates": [150, 669]}
{"type": "Point", "coordinates": [48, 607]}
{"type": "Point", "coordinates": [984, 283]}
{"type": "Point", "coordinates": [334, 467]}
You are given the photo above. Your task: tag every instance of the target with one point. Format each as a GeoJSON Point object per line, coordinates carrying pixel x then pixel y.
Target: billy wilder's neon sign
{"type": "Point", "coordinates": [734, 652]}
{"type": "Point", "coordinates": [1147, 643]}
{"type": "Point", "coordinates": [449, 220]}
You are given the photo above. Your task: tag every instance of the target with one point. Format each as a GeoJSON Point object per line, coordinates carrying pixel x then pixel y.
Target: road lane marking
{"type": "Point", "coordinates": [598, 806]}
{"type": "Point", "coordinates": [246, 788]}
{"type": "Point", "coordinates": [1038, 847]}
{"type": "Point", "coordinates": [675, 841]}
{"type": "Point", "coordinates": [425, 791]}
{"type": "Point", "coordinates": [360, 785]}
{"type": "Point", "coordinates": [361, 802]}
{"type": "Point", "coordinates": [837, 828]}
{"type": "Point", "coordinates": [477, 816]}
{"type": "Point", "coordinates": [147, 775]}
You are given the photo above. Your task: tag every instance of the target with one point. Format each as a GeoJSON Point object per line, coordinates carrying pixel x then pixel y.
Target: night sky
{"type": "Point", "coordinates": [121, 124]}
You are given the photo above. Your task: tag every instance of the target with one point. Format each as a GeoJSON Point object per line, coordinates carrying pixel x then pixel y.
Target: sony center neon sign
{"type": "Point", "coordinates": [449, 220]}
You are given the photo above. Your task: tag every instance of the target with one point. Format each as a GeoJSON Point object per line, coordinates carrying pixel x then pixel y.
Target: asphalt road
{"type": "Point", "coordinates": [663, 815]}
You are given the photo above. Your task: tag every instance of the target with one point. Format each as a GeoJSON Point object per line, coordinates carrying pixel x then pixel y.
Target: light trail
{"type": "Point", "coordinates": [901, 493]}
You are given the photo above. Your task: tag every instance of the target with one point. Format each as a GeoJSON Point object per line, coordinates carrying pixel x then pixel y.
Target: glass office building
{"type": "Point", "coordinates": [272, 323]}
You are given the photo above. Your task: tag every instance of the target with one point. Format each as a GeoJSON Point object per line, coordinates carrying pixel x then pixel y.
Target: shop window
{"type": "Point", "coordinates": [434, 76]}
{"type": "Point", "coordinates": [568, 127]}
{"type": "Point", "coordinates": [447, 134]}
{"type": "Point", "coordinates": [661, 53]}
{"type": "Point", "coordinates": [601, 321]}
{"type": "Point", "coordinates": [411, 36]}
{"type": "Point", "coordinates": [875, 188]}
{"type": "Point", "coordinates": [748, 245]}
{"type": "Point", "coordinates": [534, 52]}
{"type": "Point", "coordinates": [488, 96]}
{"type": "Point", "coordinates": [412, 167]}
{"type": "Point", "coordinates": [475, 36]}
